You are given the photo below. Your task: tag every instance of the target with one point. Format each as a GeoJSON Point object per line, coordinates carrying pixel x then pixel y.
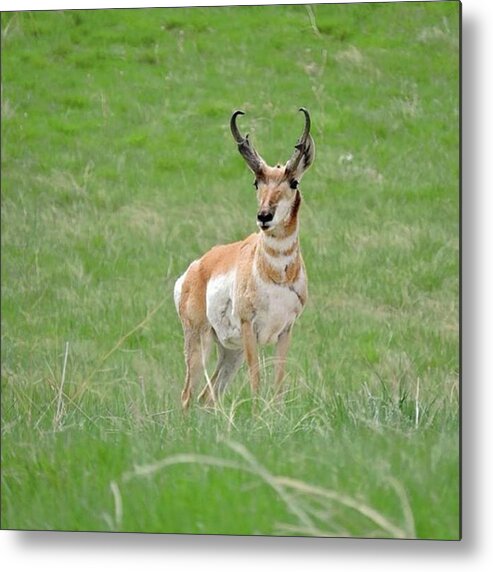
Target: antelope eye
{"type": "Point", "coordinates": [293, 183]}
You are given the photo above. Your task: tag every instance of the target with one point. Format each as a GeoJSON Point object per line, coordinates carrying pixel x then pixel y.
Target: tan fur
{"type": "Point", "coordinates": [258, 262]}
{"type": "Point", "coordinates": [218, 260]}
{"type": "Point", "coordinates": [275, 252]}
{"type": "Point", "coordinates": [242, 255]}
{"type": "Point", "coordinates": [288, 275]}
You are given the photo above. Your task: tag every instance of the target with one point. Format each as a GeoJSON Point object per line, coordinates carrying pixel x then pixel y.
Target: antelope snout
{"type": "Point", "coordinates": [264, 218]}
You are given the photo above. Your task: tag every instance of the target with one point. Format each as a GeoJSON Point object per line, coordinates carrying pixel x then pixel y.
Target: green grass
{"type": "Point", "coordinates": [118, 169]}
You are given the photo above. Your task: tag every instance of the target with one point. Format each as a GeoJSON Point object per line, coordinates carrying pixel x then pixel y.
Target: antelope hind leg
{"type": "Point", "coordinates": [197, 346]}
{"type": "Point", "coordinates": [229, 361]}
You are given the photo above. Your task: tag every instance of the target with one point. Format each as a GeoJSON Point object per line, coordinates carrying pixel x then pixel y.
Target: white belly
{"type": "Point", "coordinates": [220, 310]}
{"type": "Point", "coordinates": [278, 308]}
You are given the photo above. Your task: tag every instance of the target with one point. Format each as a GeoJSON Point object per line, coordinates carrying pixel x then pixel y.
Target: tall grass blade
{"type": "Point", "coordinates": [369, 512]}
{"type": "Point", "coordinates": [59, 407]}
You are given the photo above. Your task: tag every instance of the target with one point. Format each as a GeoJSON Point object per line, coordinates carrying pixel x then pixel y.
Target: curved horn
{"type": "Point", "coordinates": [303, 144]}
{"type": "Point", "coordinates": [308, 123]}
{"type": "Point", "coordinates": [234, 128]}
{"type": "Point", "coordinates": [253, 159]}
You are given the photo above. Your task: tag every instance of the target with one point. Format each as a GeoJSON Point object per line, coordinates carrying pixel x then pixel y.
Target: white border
{"type": "Point", "coordinates": [82, 552]}
{"type": "Point", "coordinates": [72, 4]}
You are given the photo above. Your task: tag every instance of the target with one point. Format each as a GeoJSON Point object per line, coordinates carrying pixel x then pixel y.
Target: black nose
{"type": "Point", "coordinates": [264, 216]}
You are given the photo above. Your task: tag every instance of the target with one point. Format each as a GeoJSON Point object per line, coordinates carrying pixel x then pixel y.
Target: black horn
{"type": "Point", "coordinates": [303, 145]}
{"type": "Point", "coordinates": [253, 159]}
{"type": "Point", "coordinates": [308, 123]}
{"type": "Point", "coordinates": [234, 128]}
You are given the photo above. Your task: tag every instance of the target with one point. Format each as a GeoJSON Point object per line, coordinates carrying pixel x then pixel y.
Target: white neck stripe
{"type": "Point", "coordinates": [280, 244]}
{"type": "Point", "coordinates": [280, 262]}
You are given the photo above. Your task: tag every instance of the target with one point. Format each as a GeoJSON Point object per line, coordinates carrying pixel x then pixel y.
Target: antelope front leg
{"type": "Point", "coordinates": [281, 353]}
{"type": "Point", "coordinates": [251, 354]}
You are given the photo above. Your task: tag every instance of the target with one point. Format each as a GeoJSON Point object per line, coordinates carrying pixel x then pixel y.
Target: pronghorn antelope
{"type": "Point", "coordinates": [248, 293]}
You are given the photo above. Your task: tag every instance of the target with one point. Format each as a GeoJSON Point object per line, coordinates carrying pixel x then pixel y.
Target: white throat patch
{"type": "Point", "coordinates": [281, 244]}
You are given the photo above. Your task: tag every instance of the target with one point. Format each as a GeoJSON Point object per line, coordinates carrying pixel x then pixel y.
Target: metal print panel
{"type": "Point", "coordinates": [209, 332]}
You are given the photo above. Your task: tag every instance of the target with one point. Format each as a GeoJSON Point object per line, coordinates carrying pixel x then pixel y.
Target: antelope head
{"type": "Point", "coordinates": [277, 187]}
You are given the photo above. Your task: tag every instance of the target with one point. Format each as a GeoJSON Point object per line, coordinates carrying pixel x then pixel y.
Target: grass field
{"type": "Point", "coordinates": [118, 169]}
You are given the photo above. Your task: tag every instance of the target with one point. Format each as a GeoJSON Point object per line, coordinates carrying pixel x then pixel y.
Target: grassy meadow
{"type": "Point", "coordinates": [118, 169]}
